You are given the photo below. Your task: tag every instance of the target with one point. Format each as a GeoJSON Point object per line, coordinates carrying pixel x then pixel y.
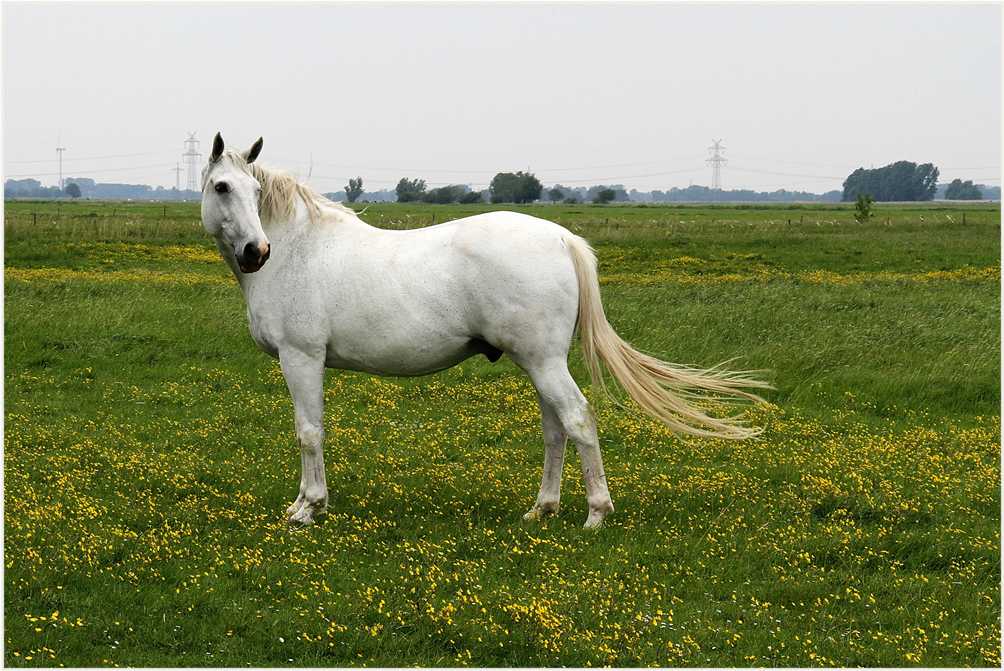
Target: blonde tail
{"type": "Point", "coordinates": [661, 389]}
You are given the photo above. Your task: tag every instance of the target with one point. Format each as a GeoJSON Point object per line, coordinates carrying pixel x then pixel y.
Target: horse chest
{"type": "Point", "coordinates": [263, 336]}
{"type": "Point", "coordinates": [285, 319]}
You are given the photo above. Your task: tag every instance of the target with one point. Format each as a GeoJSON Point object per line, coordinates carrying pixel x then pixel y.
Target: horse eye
{"type": "Point", "coordinates": [222, 187]}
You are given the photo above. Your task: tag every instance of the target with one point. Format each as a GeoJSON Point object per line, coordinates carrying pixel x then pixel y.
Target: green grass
{"type": "Point", "coordinates": [149, 455]}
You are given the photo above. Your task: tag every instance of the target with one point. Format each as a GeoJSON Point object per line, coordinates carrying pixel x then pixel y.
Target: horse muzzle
{"type": "Point", "coordinates": [253, 256]}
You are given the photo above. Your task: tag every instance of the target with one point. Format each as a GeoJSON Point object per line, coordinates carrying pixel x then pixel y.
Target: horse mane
{"type": "Point", "coordinates": [279, 191]}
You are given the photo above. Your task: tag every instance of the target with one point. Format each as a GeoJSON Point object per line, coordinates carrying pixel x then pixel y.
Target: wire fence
{"type": "Point", "coordinates": [103, 224]}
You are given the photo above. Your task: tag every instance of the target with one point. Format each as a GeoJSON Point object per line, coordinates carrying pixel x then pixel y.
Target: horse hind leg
{"type": "Point", "coordinates": [558, 390]}
{"type": "Point", "coordinates": [549, 497]}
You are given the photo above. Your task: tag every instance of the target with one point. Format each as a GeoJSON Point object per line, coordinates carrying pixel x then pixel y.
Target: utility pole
{"type": "Point", "coordinates": [192, 157]}
{"type": "Point", "coordinates": [716, 161]}
{"type": "Point", "coordinates": [177, 176]}
{"type": "Point", "coordinates": [59, 153]}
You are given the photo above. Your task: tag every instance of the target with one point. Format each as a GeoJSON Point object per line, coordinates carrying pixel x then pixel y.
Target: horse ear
{"type": "Point", "coordinates": [217, 149]}
{"type": "Point", "coordinates": [251, 154]}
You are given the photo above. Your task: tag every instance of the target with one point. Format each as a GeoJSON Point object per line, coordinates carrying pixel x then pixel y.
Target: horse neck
{"type": "Point", "coordinates": [286, 234]}
{"type": "Point", "coordinates": [301, 225]}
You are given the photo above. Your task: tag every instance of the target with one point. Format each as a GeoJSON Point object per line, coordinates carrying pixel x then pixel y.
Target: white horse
{"type": "Point", "coordinates": [339, 293]}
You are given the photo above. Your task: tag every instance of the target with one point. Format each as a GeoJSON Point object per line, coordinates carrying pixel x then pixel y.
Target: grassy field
{"type": "Point", "coordinates": [149, 456]}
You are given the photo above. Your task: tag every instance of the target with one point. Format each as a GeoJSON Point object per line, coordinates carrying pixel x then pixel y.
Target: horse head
{"type": "Point", "coordinates": [230, 205]}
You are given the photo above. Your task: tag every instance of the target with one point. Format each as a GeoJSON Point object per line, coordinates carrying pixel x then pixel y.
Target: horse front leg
{"type": "Point", "coordinates": [304, 375]}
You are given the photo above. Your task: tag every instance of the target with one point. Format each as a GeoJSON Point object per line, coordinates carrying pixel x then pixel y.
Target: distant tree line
{"type": "Point", "coordinates": [379, 196]}
{"type": "Point", "coordinates": [703, 194]}
{"type": "Point", "coordinates": [523, 188]}
{"type": "Point", "coordinates": [959, 190]}
{"type": "Point", "coordinates": [506, 187]}
{"type": "Point", "coordinates": [84, 187]}
{"type": "Point", "coordinates": [899, 181]}
{"type": "Point", "coordinates": [588, 194]}
{"type": "Point", "coordinates": [414, 190]}
{"type": "Point", "coordinates": [30, 188]}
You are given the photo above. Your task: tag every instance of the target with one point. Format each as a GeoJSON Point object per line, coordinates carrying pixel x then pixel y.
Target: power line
{"type": "Point", "coordinates": [786, 174]}
{"type": "Point", "coordinates": [590, 180]}
{"type": "Point", "coordinates": [78, 173]}
{"type": "Point", "coordinates": [978, 167]}
{"type": "Point", "coordinates": [355, 168]}
{"type": "Point", "coordinates": [769, 160]}
{"type": "Point", "coordinates": [548, 178]}
{"type": "Point", "coordinates": [615, 165]}
{"type": "Point", "coordinates": [463, 171]}
{"type": "Point", "coordinates": [599, 180]}
{"type": "Point", "coordinates": [86, 158]}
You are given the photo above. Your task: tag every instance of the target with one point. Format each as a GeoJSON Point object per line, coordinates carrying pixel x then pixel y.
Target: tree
{"type": "Point", "coordinates": [902, 180]}
{"type": "Point", "coordinates": [863, 208]}
{"type": "Point", "coordinates": [354, 189]}
{"type": "Point", "coordinates": [515, 187]}
{"type": "Point", "coordinates": [445, 194]}
{"type": "Point", "coordinates": [619, 193]}
{"type": "Point", "coordinates": [73, 191]}
{"type": "Point", "coordinates": [959, 190]}
{"type": "Point", "coordinates": [555, 194]}
{"type": "Point", "coordinates": [471, 197]}
{"type": "Point", "coordinates": [409, 190]}
{"type": "Point", "coordinates": [604, 196]}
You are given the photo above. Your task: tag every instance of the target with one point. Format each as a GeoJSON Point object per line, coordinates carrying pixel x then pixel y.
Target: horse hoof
{"type": "Point", "coordinates": [300, 520]}
{"type": "Point", "coordinates": [294, 506]}
{"type": "Point", "coordinates": [539, 512]}
{"type": "Point", "coordinates": [595, 520]}
{"type": "Point", "coordinates": [307, 514]}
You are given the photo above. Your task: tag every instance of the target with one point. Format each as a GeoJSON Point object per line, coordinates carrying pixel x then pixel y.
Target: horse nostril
{"type": "Point", "coordinates": [251, 253]}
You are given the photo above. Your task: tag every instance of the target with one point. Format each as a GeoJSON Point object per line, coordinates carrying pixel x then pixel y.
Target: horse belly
{"type": "Point", "coordinates": [381, 357]}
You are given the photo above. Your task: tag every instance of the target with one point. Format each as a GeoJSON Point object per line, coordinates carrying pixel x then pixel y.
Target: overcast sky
{"type": "Point", "coordinates": [580, 94]}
